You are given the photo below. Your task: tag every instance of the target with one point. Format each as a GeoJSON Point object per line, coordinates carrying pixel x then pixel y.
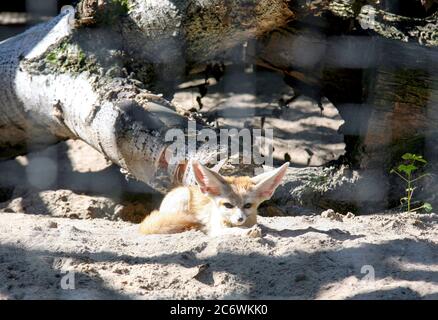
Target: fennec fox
{"type": "Point", "coordinates": [217, 205]}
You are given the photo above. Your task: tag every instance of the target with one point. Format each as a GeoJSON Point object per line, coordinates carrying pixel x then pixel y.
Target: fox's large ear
{"type": "Point", "coordinates": [209, 181]}
{"type": "Point", "coordinates": [266, 183]}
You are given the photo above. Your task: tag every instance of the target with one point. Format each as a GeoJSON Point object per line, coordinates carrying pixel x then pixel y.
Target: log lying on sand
{"type": "Point", "coordinates": [98, 77]}
{"type": "Point", "coordinates": [84, 76]}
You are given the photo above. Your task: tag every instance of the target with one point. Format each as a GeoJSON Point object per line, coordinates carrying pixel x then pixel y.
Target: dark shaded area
{"type": "Point", "coordinates": [332, 233]}
{"type": "Point", "coordinates": [16, 6]}
{"type": "Point", "coordinates": [409, 8]}
{"type": "Point", "coordinates": [19, 15]}
{"type": "Point", "coordinates": [23, 5]}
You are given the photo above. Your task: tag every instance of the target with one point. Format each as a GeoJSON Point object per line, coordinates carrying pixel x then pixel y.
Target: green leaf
{"type": "Point", "coordinates": [407, 156]}
{"type": "Point", "coordinates": [413, 157]}
{"type": "Point", "coordinates": [427, 206]}
{"type": "Point", "coordinates": [407, 168]}
{"type": "Point", "coordinates": [419, 158]}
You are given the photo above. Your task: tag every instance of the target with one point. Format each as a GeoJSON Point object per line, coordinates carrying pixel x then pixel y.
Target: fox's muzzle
{"type": "Point", "coordinates": [238, 218]}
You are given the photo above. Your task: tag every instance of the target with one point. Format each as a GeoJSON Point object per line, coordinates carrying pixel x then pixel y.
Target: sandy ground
{"type": "Point", "coordinates": [307, 257]}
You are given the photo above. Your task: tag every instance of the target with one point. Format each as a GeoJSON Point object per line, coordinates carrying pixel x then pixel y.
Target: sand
{"type": "Point", "coordinates": [381, 256]}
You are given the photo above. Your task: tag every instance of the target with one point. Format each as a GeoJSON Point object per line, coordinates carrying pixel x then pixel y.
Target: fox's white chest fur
{"type": "Point", "coordinates": [217, 205]}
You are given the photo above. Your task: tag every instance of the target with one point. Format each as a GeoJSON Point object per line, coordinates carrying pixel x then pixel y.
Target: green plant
{"type": "Point", "coordinates": [406, 172]}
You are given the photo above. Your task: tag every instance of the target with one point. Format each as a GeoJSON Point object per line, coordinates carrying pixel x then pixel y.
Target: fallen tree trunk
{"type": "Point", "coordinates": [99, 80]}
{"type": "Point", "coordinates": [84, 78]}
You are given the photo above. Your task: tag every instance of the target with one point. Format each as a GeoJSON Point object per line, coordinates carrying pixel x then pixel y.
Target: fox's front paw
{"type": "Point", "coordinates": [254, 232]}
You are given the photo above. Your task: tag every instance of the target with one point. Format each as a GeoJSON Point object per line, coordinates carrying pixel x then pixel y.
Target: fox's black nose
{"type": "Point", "coordinates": [240, 219]}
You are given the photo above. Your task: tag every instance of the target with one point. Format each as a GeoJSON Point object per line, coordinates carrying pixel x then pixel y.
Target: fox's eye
{"type": "Point", "coordinates": [228, 205]}
{"type": "Point", "coordinates": [247, 205]}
